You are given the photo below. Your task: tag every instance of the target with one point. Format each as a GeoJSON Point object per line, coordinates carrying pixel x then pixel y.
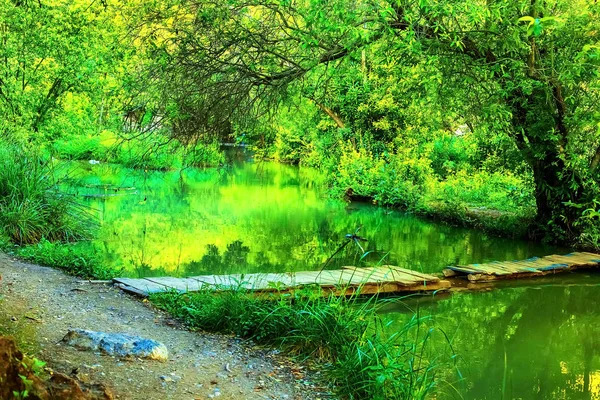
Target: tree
{"type": "Point", "coordinates": [48, 49]}
{"type": "Point", "coordinates": [529, 68]}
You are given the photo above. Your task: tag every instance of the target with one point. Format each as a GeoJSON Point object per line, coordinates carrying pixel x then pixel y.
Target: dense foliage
{"type": "Point", "coordinates": [513, 85]}
{"type": "Point", "coordinates": [433, 106]}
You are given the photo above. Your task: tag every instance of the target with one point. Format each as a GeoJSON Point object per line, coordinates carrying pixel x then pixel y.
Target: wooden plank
{"type": "Point", "coordinates": [206, 279]}
{"type": "Point", "coordinates": [131, 290]}
{"type": "Point", "coordinates": [180, 284]}
{"type": "Point", "coordinates": [501, 266]}
{"type": "Point", "coordinates": [370, 274]}
{"type": "Point", "coordinates": [513, 266]}
{"type": "Point", "coordinates": [355, 278]}
{"type": "Point", "coordinates": [329, 278]}
{"type": "Point", "coordinates": [580, 256]}
{"type": "Point", "coordinates": [498, 268]}
{"type": "Point", "coordinates": [258, 281]}
{"type": "Point", "coordinates": [541, 263]}
{"type": "Point", "coordinates": [142, 285]}
{"type": "Point", "coordinates": [571, 260]}
{"type": "Point", "coordinates": [214, 280]}
{"type": "Point", "coordinates": [386, 275]}
{"type": "Point", "coordinates": [591, 255]}
{"type": "Point", "coordinates": [394, 287]}
{"type": "Point", "coordinates": [305, 277]}
{"type": "Point", "coordinates": [520, 266]}
{"type": "Point", "coordinates": [490, 270]}
{"type": "Point", "coordinates": [272, 281]}
{"type": "Point", "coordinates": [356, 273]}
{"type": "Point", "coordinates": [348, 280]}
{"type": "Point", "coordinates": [408, 278]}
{"type": "Point", "coordinates": [420, 275]}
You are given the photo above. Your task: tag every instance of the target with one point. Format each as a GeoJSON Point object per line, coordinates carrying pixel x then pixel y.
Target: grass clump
{"type": "Point", "coordinates": [38, 223]}
{"type": "Point", "coordinates": [361, 359]}
{"type": "Point", "coordinates": [79, 259]}
{"type": "Point", "coordinates": [31, 207]}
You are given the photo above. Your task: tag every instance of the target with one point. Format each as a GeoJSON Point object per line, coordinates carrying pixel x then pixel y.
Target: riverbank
{"type": "Point", "coordinates": [38, 305]}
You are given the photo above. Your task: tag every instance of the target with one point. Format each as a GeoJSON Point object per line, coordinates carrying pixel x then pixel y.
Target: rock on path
{"type": "Point", "coordinates": [117, 344]}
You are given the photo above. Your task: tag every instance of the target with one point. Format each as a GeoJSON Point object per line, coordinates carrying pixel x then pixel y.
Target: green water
{"type": "Point", "coordinates": [540, 341]}
{"type": "Point", "coordinates": [262, 217]}
{"type": "Point", "coordinates": [523, 342]}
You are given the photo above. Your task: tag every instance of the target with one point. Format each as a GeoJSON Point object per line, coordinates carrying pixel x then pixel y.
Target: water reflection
{"type": "Point", "coordinates": [276, 217]}
{"type": "Point", "coordinates": [539, 342]}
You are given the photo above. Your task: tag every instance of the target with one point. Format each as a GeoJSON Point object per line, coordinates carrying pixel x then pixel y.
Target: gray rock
{"type": "Point", "coordinates": [117, 344]}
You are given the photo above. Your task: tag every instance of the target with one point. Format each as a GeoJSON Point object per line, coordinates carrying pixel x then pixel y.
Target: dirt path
{"type": "Point", "coordinates": [38, 305]}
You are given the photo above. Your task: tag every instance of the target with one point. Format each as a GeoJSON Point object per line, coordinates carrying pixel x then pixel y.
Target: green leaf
{"type": "Point", "coordinates": [526, 19]}
{"type": "Point", "coordinates": [537, 27]}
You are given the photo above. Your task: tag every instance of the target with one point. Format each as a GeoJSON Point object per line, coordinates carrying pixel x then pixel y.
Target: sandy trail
{"type": "Point", "coordinates": [38, 305]}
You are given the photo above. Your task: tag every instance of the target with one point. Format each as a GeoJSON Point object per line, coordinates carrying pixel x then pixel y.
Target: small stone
{"type": "Point", "coordinates": [117, 344]}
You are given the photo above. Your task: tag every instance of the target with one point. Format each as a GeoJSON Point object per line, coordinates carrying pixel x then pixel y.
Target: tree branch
{"type": "Point", "coordinates": [595, 160]}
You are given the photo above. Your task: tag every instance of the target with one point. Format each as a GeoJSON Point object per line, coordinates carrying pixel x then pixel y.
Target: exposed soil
{"type": "Point", "coordinates": [19, 375]}
{"type": "Point", "coordinates": [38, 305]}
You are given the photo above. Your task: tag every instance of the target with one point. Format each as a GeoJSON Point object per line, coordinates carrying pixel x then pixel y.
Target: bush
{"type": "Point", "coordinates": [31, 207]}
{"type": "Point", "coordinates": [390, 179]}
{"type": "Point", "coordinates": [154, 152]}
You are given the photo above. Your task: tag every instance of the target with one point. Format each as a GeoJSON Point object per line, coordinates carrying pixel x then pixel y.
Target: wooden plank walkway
{"type": "Point", "coordinates": [372, 280]}
{"type": "Point", "coordinates": [531, 267]}
{"type": "Point", "coordinates": [345, 281]}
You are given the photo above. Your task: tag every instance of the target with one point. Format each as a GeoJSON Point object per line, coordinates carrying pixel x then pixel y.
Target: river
{"type": "Point", "coordinates": [539, 341]}
{"type": "Point", "coordinates": [263, 217]}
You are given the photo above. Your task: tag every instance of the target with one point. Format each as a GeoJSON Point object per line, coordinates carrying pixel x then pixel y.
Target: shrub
{"type": "Point", "coordinates": [154, 152]}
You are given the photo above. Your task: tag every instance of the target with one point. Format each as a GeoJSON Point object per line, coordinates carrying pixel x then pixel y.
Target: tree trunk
{"type": "Point", "coordinates": [557, 187]}
{"type": "Point", "coordinates": [540, 135]}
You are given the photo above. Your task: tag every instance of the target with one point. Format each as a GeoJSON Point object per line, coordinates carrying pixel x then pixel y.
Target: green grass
{"type": "Point", "coordinates": [38, 223]}
{"type": "Point", "coordinates": [31, 207]}
{"type": "Point", "coordinates": [346, 335]}
{"type": "Point", "coordinates": [79, 259]}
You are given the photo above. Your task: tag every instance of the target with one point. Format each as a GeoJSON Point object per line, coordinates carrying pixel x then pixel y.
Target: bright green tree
{"type": "Point", "coordinates": [50, 48]}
